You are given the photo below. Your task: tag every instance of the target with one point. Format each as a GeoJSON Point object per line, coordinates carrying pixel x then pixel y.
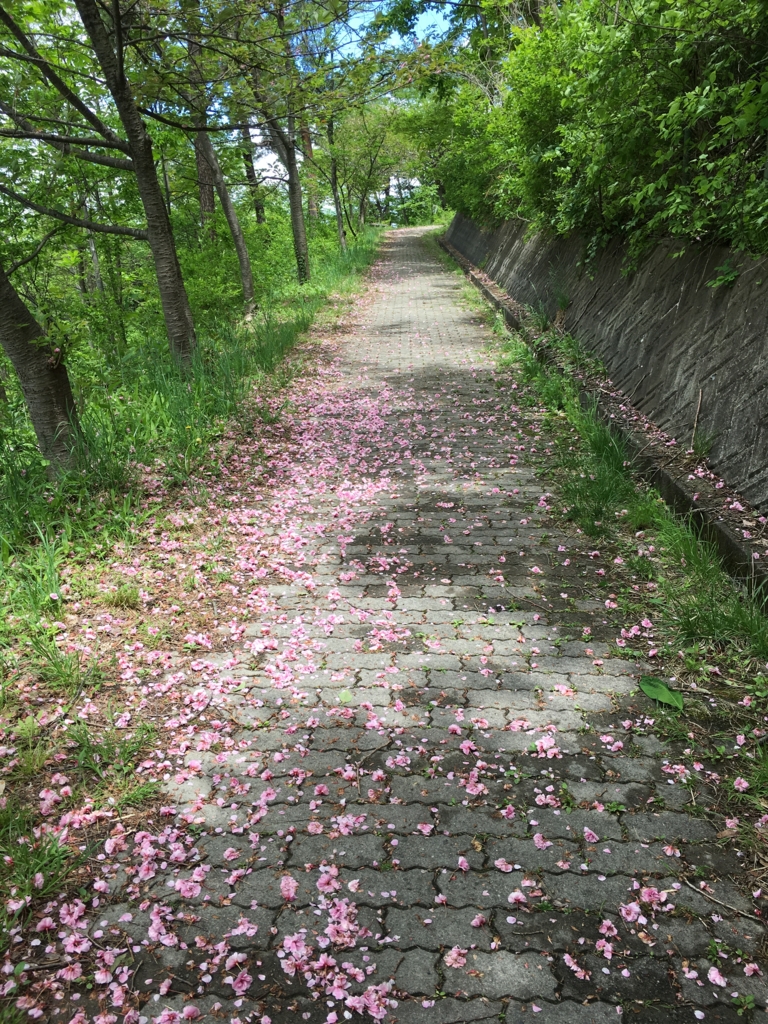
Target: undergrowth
{"type": "Point", "coordinates": [147, 428]}
{"type": "Point", "coordinates": [605, 498]}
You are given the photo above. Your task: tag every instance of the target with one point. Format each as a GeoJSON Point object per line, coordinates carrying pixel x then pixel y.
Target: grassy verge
{"type": "Point", "coordinates": [67, 750]}
{"type": "Point", "coordinates": [705, 637]}
{"type": "Point", "coordinates": [143, 418]}
{"type": "Point", "coordinates": [148, 428]}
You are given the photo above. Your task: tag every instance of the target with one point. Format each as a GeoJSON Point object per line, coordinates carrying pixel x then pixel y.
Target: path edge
{"type": "Point", "coordinates": [736, 554]}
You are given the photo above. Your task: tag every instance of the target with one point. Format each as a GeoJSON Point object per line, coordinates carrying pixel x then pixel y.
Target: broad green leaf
{"type": "Point", "coordinates": [345, 696]}
{"type": "Point", "coordinates": [659, 691]}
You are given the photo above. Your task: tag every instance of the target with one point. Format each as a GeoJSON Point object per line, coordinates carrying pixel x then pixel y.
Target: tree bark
{"type": "Point", "coordinates": [401, 208]}
{"type": "Point", "coordinates": [43, 377]}
{"type": "Point", "coordinates": [173, 295]}
{"type": "Point", "coordinates": [166, 184]}
{"type": "Point", "coordinates": [296, 205]}
{"type": "Point", "coordinates": [246, 274]}
{"type": "Point", "coordinates": [205, 184]}
{"type": "Point", "coordinates": [284, 145]}
{"type": "Point", "coordinates": [313, 210]}
{"type": "Point", "coordinates": [82, 281]}
{"type": "Point", "coordinates": [65, 144]}
{"type": "Point", "coordinates": [78, 222]}
{"type": "Point", "coordinates": [346, 203]}
{"type": "Point", "coordinates": [334, 176]}
{"type": "Point", "coordinates": [251, 178]}
{"type": "Point", "coordinates": [97, 278]}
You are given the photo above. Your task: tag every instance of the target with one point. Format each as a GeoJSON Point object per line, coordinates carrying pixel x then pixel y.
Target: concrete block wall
{"type": "Point", "coordinates": [663, 334]}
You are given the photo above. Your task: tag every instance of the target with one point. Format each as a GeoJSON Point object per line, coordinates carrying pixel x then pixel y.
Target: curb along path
{"type": "Point", "coordinates": [389, 790]}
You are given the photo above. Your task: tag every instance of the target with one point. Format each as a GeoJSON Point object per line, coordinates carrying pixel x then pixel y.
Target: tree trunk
{"type": "Point", "coordinates": [115, 281]}
{"type": "Point", "coordinates": [296, 205]}
{"type": "Point", "coordinates": [246, 274]}
{"type": "Point", "coordinates": [403, 212]}
{"type": "Point", "coordinates": [199, 116]}
{"type": "Point", "coordinates": [313, 210]}
{"type": "Point", "coordinates": [335, 192]}
{"type": "Point", "coordinates": [82, 281]}
{"type": "Point", "coordinates": [205, 185]}
{"type": "Point", "coordinates": [283, 143]}
{"type": "Point", "coordinates": [97, 278]}
{"type": "Point", "coordinates": [43, 377]}
{"type": "Point", "coordinates": [347, 206]}
{"type": "Point", "coordinates": [253, 181]}
{"type": "Point", "coordinates": [165, 182]}
{"type": "Point", "coordinates": [173, 295]}
{"type": "Point", "coordinates": [363, 210]}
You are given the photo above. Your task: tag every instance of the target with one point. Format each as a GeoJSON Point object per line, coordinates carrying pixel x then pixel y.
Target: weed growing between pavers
{"type": "Point", "coordinates": [706, 636]}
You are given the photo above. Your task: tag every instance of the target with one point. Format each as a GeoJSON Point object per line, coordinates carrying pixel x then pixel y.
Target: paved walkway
{"type": "Point", "coordinates": [421, 790]}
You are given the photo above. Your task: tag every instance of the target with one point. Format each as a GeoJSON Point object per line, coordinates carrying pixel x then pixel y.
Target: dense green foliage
{"type": "Point", "coordinates": [643, 119]}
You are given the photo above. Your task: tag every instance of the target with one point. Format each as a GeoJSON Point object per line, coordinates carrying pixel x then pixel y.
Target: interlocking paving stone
{"type": "Point", "coordinates": [518, 975]}
{"type": "Point", "coordinates": [562, 1013]}
{"type": "Point", "coordinates": [436, 928]}
{"type": "Point", "coordinates": [449, 1011]}
{"type": "Point", "coordinates": [433, 736]}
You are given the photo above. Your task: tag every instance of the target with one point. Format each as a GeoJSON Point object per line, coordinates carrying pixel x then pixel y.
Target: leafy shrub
{"type": "Point", "coordinates": [643, 120]}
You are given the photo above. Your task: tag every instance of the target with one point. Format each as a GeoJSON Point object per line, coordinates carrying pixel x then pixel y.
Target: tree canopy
{"type": "Point", "coordinates": [642, 119]}
{"type": "Point", "coordinates": [162, 165]}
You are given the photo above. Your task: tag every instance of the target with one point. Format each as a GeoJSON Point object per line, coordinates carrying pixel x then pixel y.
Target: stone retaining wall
{"type": "Point", "coordinates": [667, 339]}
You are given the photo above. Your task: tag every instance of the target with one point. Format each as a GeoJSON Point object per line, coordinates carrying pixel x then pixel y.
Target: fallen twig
{"type": "Point", "coordinates": [741, 913]}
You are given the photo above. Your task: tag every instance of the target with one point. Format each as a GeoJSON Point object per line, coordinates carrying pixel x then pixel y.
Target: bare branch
{"type": "Point", "coordinates": [38, 249]}
{"type": "Point", "coordinates": [63, 145]}
{"type": "Point", "coordinates": [52, 137]}
{"type": "Point", "coordinates": [90, 225]}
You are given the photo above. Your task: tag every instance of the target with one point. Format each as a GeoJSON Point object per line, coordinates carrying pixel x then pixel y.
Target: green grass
{"type": "Point", "coordinates": [125, 596]}
{"type": "Point", "coordinates": [143, 410]}
{"type": "Point", "coordinates": [63, 672]}
{"type": "Point", "coordinates": [708, 608]}
{"type": "Point", "coordinates": [135, 796]}
{"type": "Point", "coordinates": [112, 755]}
{"type": "Point", "coordinates": [31, 866]}
{"type": "Point", "coordinates": [32, 749]}
{"type": "Point", "coordinates": [605, 498]}
{"type": "Point", "coordinates": [10, 1015]}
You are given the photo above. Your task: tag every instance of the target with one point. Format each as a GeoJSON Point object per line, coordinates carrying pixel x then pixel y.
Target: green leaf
{"type": "Point", "coordinates": [345, 696]}
{"type": "Point", "coordinates": [659, 691]}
